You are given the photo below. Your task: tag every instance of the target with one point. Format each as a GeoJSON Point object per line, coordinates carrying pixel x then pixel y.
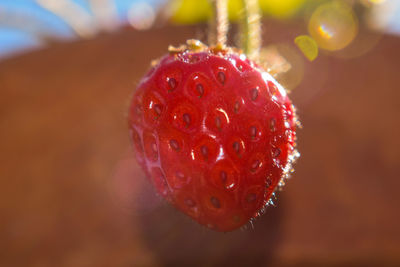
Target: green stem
{"type": "Point", "coordinates": [250, 29]}
{"type": "Point", "coordinates": [219, 23]}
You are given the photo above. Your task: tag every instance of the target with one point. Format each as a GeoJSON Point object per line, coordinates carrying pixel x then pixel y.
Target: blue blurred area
{"type": "Point", "coordinates": [25, 23]}
{"type": "Point", "coordinates": [15, 40]}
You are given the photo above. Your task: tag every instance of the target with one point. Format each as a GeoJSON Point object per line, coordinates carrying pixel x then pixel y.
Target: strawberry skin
{"type": "Point", "coordinates": [215, 134]}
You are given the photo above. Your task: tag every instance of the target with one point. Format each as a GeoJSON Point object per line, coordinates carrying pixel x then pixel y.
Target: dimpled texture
{"type": "Point", "coordinates": [214, 133]}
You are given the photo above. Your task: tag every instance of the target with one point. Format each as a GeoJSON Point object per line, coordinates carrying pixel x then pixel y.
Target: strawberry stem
{"type": "Point", "coordinates": [250, 29]}
{"type": "Point", "coordinates": [219, 23]}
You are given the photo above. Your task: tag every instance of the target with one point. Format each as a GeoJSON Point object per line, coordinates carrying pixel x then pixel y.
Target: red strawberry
{"type": "Point", "coordinates": [215, 134]}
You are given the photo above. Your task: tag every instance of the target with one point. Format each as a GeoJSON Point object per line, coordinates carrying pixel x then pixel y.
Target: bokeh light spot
{"type": "Point", "coordinates": [325, 31]}
{"type": "Point", "coordinates": [141, 16]}
{"type": "Point", "coordinates": [308, 46]}
{"type": "Point", "coordinates": [333, 25]}
{"type": "Point", "coordinates": [292, 76]}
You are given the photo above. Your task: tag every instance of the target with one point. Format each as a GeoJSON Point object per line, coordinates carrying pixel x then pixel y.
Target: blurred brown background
{"type": "Point", "coordinates": [72, 195]}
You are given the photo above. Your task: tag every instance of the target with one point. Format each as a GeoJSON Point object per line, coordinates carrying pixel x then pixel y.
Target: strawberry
{"type": "Point", "coordinates": [214, 133]}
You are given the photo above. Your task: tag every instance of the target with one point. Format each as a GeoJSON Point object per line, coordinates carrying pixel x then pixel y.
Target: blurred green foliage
{"type": "Point", "coordinates": [195, 11]}
{"type": "Point", "coordinates": [190, 11]}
